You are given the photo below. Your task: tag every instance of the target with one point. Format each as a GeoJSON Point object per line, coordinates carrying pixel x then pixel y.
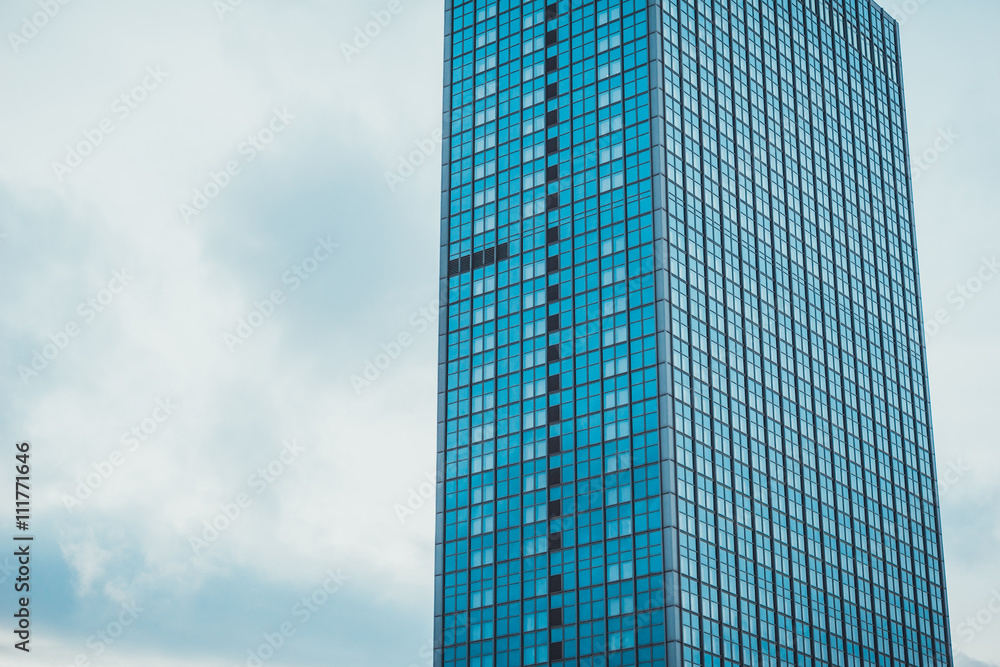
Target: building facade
{"type": "Point", "coordinates": [683, 405]}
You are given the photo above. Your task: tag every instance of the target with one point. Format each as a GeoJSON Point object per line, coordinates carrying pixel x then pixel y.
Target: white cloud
{"type": "Point", "coordinates": [163, 337]}
{"type": "Point", "coordinates": [85, 556]}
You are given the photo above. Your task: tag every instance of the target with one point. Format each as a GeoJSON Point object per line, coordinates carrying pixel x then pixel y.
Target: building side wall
{"type": "Point", "coordinates": [683, 406]}
{"type": "Point", "coordinates": [807, 508]}
{"type": "Point", "coordinates": [550, 504]}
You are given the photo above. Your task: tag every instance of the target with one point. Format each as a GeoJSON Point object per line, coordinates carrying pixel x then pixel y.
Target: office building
{"type": "Point", "coordinates": [683, 407]}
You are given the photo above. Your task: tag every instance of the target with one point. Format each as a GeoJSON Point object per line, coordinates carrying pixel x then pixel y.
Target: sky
{"type": "Point", "coordinates": [219, 250]}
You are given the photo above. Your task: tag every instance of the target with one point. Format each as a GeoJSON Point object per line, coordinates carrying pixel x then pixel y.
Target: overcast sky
{"type": "Point", "coordinates": [187, 297]}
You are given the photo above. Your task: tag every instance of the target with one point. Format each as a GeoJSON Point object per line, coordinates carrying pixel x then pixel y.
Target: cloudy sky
{"type": "Point", "coordinates": [188, 296]}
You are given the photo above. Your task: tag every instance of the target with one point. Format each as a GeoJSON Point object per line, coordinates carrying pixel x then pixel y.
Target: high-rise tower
{"type": "Point", "coordinates": [683, 408]}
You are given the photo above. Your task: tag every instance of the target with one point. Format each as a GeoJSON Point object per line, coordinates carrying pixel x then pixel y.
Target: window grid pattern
{"type": "Point", "coordinates": [550, 540]}
{"type": "Point", "coordinates": [808, 529]}
{"type": "Point", "coordinates": [683, 409]}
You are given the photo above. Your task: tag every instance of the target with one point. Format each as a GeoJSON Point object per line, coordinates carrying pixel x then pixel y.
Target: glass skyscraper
{"type": "Point", "coordinates": [683, 407]}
